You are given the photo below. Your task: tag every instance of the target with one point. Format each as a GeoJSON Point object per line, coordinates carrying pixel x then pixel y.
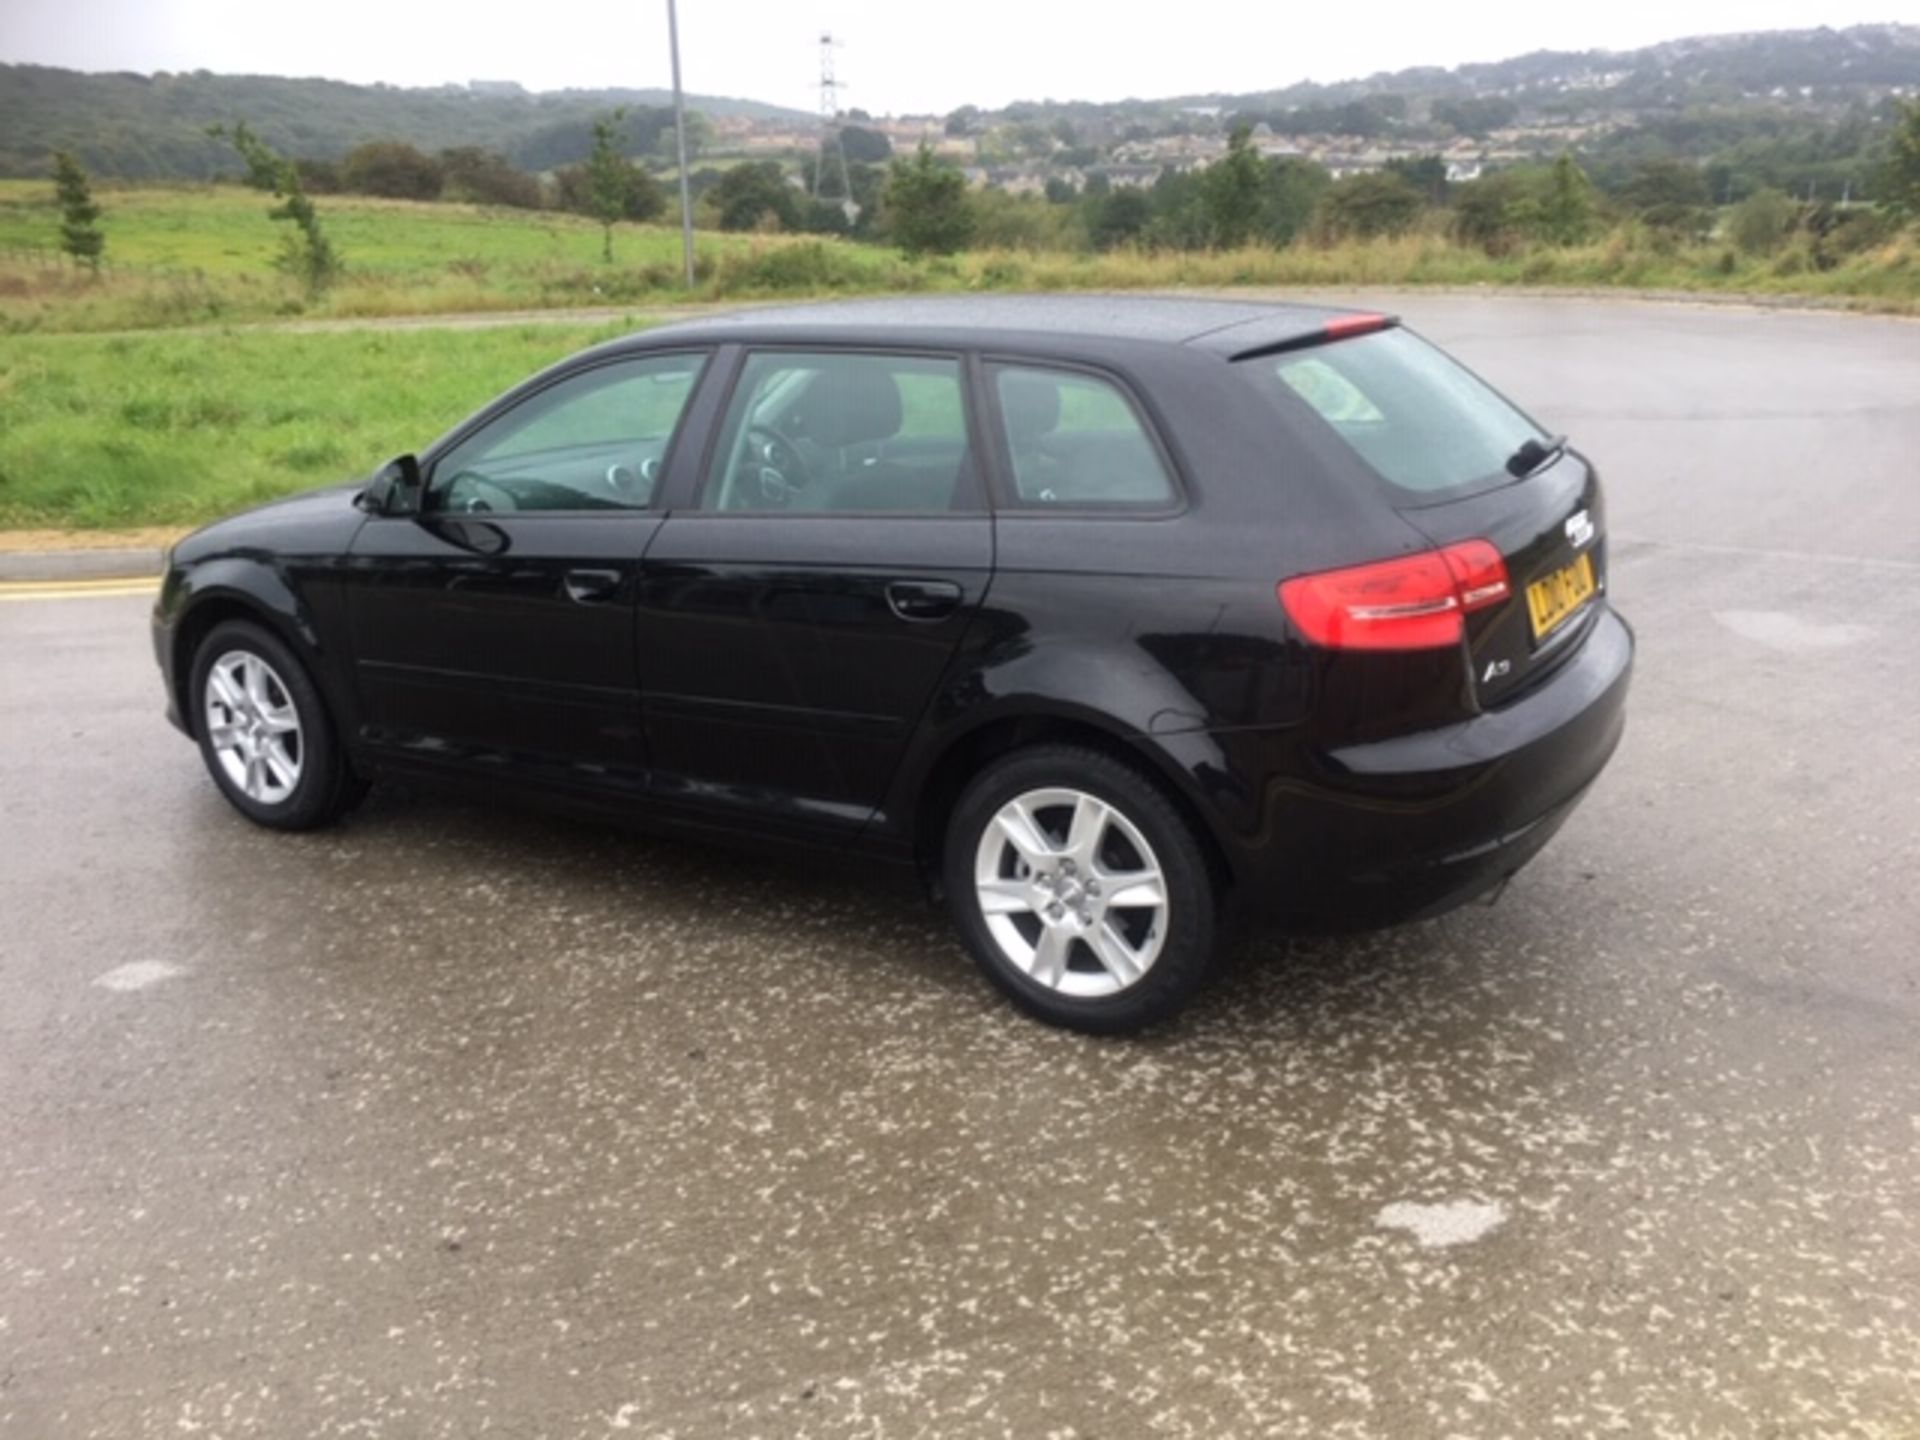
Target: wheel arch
{"type": "Point", "coordinates": [965, 754]}
{"type": "Point", "coordinates": [216, 601]}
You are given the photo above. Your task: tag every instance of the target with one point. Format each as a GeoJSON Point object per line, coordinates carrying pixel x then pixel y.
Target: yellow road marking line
{"type": "Point", "coordinates": [74, 589]}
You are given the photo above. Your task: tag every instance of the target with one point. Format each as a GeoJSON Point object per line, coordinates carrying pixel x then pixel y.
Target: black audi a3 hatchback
{"type": "Point", "coordinates": [1117, 618]}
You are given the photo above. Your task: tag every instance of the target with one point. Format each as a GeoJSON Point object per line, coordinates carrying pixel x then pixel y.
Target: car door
{"type": "Point", "coordinates": [494, 631]}
{"type": "Point", "coordinates": [797, 615]}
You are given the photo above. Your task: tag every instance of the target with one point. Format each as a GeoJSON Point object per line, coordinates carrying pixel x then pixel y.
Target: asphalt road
{"type": "Point", "coordinates": [452, 1122]}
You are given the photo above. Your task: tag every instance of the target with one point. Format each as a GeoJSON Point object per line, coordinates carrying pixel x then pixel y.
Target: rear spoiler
{"type": "Point", "coordinates": [1340, 327]}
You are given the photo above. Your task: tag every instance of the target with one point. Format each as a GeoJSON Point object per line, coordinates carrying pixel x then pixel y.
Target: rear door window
{"type": "Point", "coordinates": [845, 431]}
{"type": "Point", "coordinates": [1075, 440]}
{"type": "Point", "coordinates": [1427, 425]}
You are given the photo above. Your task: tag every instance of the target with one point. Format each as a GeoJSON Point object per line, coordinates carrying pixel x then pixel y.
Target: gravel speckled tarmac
{"type": "Point", "coordinates": [454, 1122]}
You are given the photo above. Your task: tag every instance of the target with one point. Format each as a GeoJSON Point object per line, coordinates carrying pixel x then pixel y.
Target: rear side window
{"type": "Point", "coordinates": [1427, 425]}
{"type": "Point", "coordinates": [844, 431]}
{"type": "Point", "coordinates": [1076, 440]}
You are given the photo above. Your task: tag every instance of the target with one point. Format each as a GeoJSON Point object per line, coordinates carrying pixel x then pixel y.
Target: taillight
{"type": "Point", "coordinates": [1417, 602]}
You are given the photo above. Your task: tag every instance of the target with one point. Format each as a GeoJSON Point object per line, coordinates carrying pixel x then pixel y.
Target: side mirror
{"type": "Point", "coordinates": [394, 490]}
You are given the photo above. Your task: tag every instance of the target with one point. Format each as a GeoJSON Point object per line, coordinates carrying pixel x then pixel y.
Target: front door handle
{"type": "Point", "coordinates": [590, 587]}
{"type": "Point", "coordinates": [923, 599]}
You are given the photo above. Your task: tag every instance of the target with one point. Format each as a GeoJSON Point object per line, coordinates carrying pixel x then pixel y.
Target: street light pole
{"type": "Point", "coordinates": [680, 144]}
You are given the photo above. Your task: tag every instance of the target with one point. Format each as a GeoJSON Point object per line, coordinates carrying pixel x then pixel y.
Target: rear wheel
{"type": "Point", "coordinates": [1080, 889]}
{"type": "Point", "coordinates": [264, 734]}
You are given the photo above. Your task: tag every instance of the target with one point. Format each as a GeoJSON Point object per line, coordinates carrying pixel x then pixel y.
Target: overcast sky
{"type": "Point", "coordinates": [898, 55]}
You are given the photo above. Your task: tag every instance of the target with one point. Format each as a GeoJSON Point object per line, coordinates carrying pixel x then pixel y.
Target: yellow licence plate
{"type": "Point", "coordinates": [1552, 599]}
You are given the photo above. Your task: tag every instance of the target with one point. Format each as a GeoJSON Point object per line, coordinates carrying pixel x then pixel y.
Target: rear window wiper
{"type": "Point", "coordinates": [1533, 454]}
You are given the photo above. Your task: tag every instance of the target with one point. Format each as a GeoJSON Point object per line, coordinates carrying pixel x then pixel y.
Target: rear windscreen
{"type": "Point", "coordinates": [1427, 425]}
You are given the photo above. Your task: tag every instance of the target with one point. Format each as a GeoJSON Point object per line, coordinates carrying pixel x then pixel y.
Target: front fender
{"type": "Point", "coordinates": [299, 599]}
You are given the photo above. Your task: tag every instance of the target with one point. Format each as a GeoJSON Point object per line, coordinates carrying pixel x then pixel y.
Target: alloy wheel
{"type": "Point", "coordinates": [1071, 892]}
{"type": "Point", "coordinates": [253, 727]}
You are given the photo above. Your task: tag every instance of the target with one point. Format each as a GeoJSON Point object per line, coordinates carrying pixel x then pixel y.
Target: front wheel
{"type": "Point", "coordinates": [1081, 890]}
{"type": "Point", "coordinates": [264, 734]}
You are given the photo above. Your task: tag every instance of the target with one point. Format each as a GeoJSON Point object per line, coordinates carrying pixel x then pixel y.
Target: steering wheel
{"type": "Point", "coordinates": [471, 493]}
{"type": "Point", "coordinates": [772, 468]}
{"type": "Point", "coordinates": [632, 485]}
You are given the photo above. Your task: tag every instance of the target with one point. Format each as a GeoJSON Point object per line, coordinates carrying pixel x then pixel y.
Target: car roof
{"type": "Point", "coordinates": [1051, 322]}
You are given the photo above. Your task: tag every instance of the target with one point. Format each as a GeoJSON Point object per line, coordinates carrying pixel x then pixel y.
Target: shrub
{"type": "Point", "coordinates": [486, 177]}
{"type": "Point", "coordinates": [645, 200]}
{"type": "Point", "coordinates": [1759, 224]}
{"type": "Point", "coordinates": [393, 169]}
{"type": "Point", "coordinates": [1363, 206]}
{"type": "Point", "coordinates": [756, 196]}
{"type": "Point", "coordinates": [926, 206]}
{"type": "Point", "coordinates": [803, 265]}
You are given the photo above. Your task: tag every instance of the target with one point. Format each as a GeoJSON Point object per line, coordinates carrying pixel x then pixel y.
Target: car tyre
{"type": "Point", "coordinates": [264, 732]}
{"type": "Point", "coordinates": [1081, 889]}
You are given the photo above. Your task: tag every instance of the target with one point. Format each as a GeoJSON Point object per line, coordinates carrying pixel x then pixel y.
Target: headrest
{"type": "Point", "coordinates": [851, 404]}
{"type": "Point", "coordinates": [1031, 403]}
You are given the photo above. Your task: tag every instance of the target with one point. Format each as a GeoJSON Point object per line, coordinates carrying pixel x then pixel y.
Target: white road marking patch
{"type": "Point", "coordinates": [1457, 1222]}
{"type": "Point", "coordinates": [138, 975]}
{"type": "Point", "coordinates": [1778, 630]}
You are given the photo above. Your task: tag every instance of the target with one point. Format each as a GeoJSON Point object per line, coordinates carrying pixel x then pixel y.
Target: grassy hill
{"type": "Point", "coordinates": [154, 126]}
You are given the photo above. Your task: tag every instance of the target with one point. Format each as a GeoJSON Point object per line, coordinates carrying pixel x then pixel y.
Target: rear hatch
{"type": "Point", "coordinates": [1550, 529]}
{"type": "Point", "coordinates": [1458, 462]}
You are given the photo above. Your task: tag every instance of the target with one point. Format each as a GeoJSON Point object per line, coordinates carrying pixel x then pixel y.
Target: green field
{"type": "Point", "coordinates": [119, 431]}
{"type": "Point", "coordinates": [144, 427]}
{"type": "Point", "coordinates": [203, 255]}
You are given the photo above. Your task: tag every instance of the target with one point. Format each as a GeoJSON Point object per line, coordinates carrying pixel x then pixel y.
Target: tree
{"type": "Point", "coordinates": [963, 121]}
{"type": "Point", "coordinates": [865, 146]}
{"type": "Point", "coordinates": [824, 217]}
{"type": "Point", "coordinates": [306, 254]}
{"type": "Point", "coordinates": [1426, 173]}
{"type": "Point", "coordinates": [1669, 196]}
{"type": "Point", "coordinates": [1565, 207]}
{"type": "Point", "coordinates": [1492, 212]}
{"type": "Point", "coordinates": [1060, 191]}
{"type": "Point", "coordinates": [80, 235]}
{"type": "Point", "coordinates": [1120, 218]}
{"type": "Point", "coordinates": [1232, 191]}
{"type": "Point", "coordinates": [1294, 188]}
{"type": "Point", "coordinates": [392, 169]}
{"type": "Point", "coordinates": [756, 196]}
{"type": "Point", "coordinates": [1898, 180]}
{"type": "Point", "coordinates": [485, 177]}
{"type": "Point", "coordinates": [1760, 222]}
{"type": "Point", "coordinates": [1179, 211]}
{"type": "Point", "coordinates": [926, 206]}
{"type": "Point", "coordinates": [645, 200]}
{"type": "Point", "coordinates": [608, 179]}
{"type": "Point", "coordinates": [1368, 205]}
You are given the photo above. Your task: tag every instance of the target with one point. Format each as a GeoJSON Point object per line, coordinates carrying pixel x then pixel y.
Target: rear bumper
{"type": "Point", "coordinates": [1414, 826]}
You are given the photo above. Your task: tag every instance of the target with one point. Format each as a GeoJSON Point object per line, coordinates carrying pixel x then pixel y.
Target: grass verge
{"type": "Point", "coordinates": [202, 255]}
{"type": "Point", "coordinates": [166, 430]}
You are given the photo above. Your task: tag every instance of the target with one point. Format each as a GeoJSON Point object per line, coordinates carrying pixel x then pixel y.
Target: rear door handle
{"type": "Point", "coordinates": [590, 587]}
{"type": "Point", "coordinates": [923, 599]}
